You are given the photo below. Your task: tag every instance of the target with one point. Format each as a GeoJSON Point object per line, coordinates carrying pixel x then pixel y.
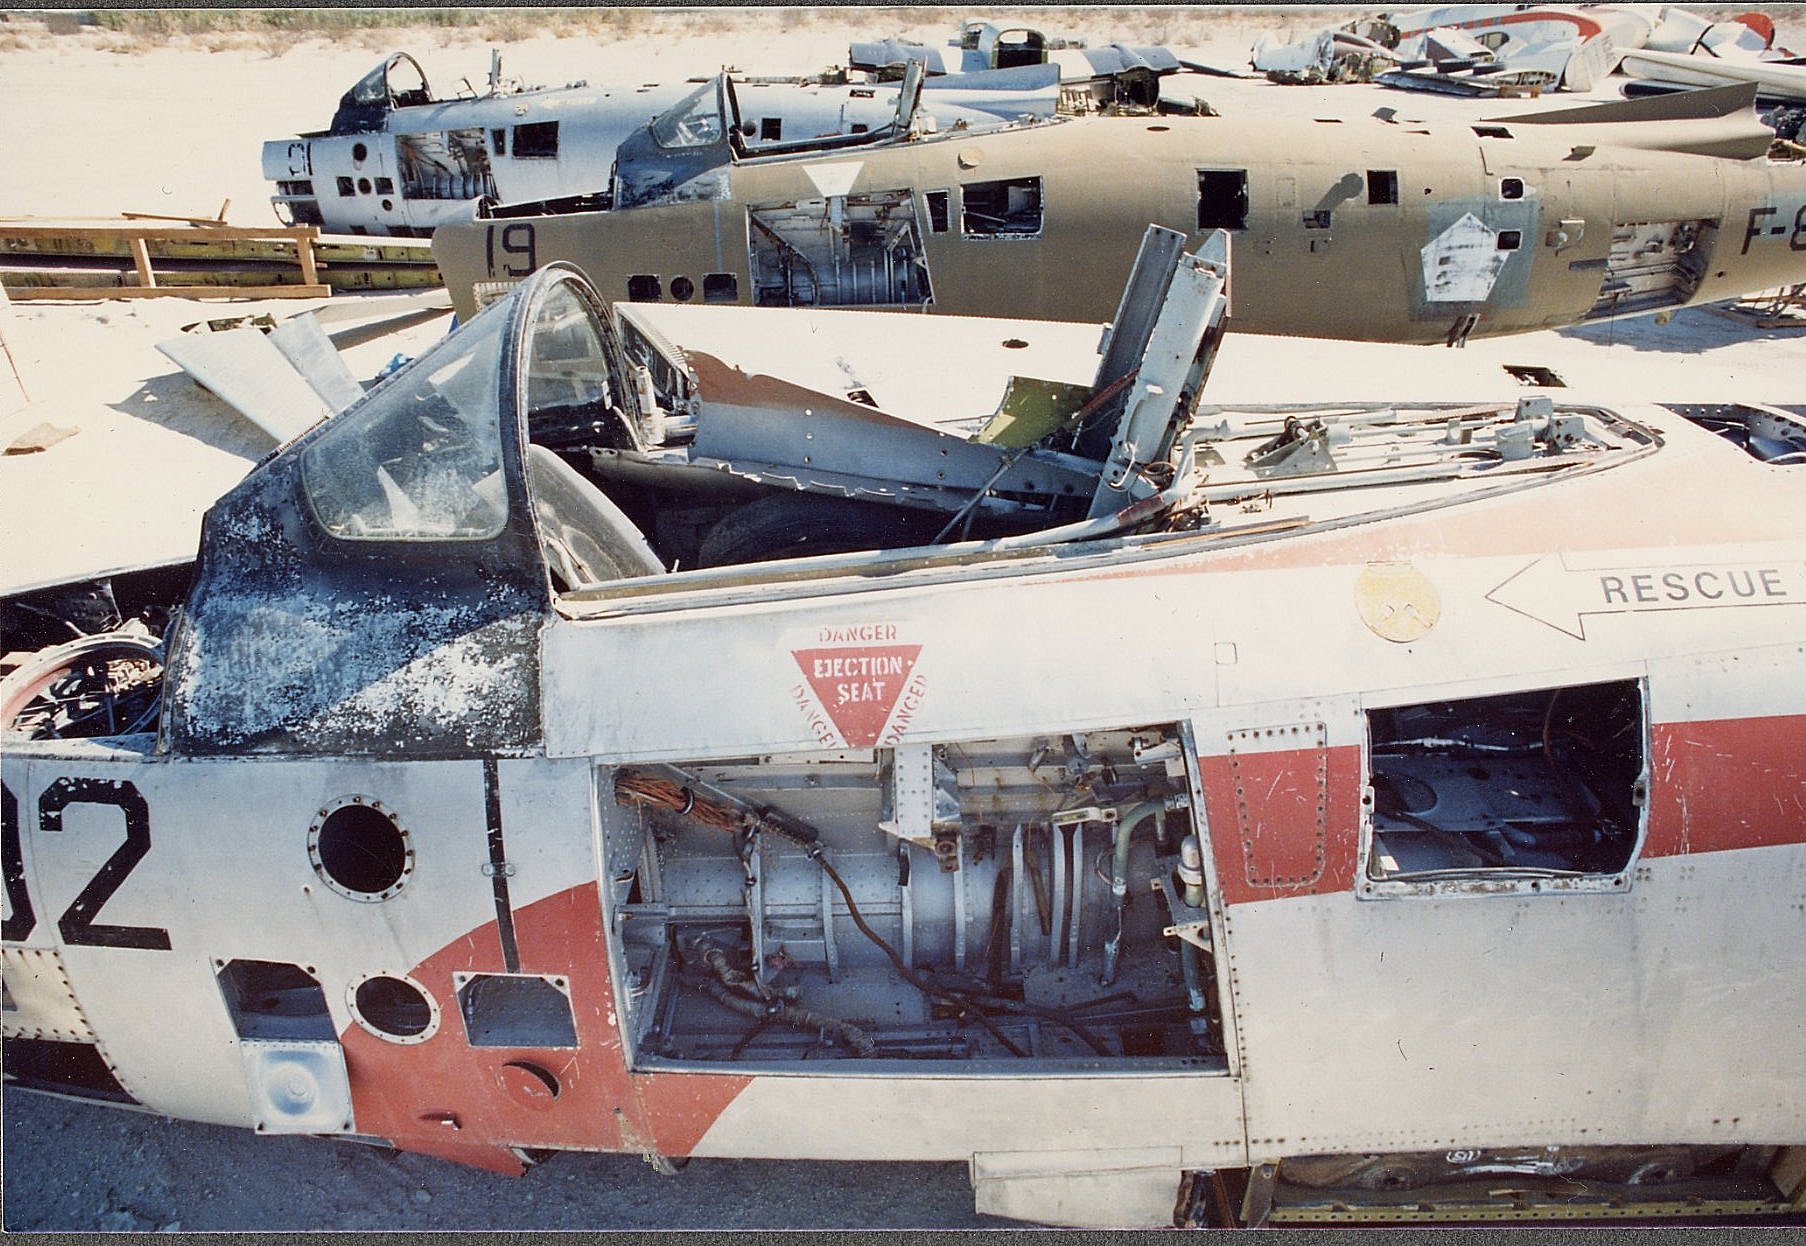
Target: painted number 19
{"type": "Point", "coordinates": [511, 242]}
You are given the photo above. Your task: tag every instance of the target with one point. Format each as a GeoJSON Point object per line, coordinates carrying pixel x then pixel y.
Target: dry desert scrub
{"type": "Point", "coordinates": [129, 31]}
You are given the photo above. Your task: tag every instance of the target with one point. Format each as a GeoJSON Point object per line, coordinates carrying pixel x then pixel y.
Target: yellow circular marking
{"type": "Point", "coordinates": [1397, 601]}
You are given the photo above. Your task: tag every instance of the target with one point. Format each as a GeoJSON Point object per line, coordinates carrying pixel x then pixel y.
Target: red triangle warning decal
{"type": "Point", "coordinates": [858, 687]}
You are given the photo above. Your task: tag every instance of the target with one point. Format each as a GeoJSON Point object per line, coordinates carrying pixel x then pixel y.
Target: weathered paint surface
{"type": "Point", "coordinates": [448, 1098]}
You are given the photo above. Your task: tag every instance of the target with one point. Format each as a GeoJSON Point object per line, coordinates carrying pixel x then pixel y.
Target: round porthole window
{"type": "Point", "coordinates": [682, 288]}
{"type": "Point", "coordinates": [394, 1008]}
{"type": "Point", "coordinates": [359, 849]}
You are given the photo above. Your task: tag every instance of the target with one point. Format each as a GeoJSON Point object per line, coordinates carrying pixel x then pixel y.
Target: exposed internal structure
{"type": "Point", "coordinates": [1545, 785]}
{"type": "Point", "coordinates": [1009, 899]}
{"type": "Point", "coordinates": [842, 251]}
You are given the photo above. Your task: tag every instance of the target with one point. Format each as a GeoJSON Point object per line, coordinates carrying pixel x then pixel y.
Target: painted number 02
{"type": "Point", "coordinates": [509, 243]}
{"type": "Point", "coordinates": [77, 923]}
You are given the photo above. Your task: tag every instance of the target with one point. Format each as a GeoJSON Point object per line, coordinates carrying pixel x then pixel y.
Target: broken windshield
{"type": "Point", "coordinates": [694, 121]}
{"type": "Point", "coordinates": [398, 82]}
{"type": "Point", "coordinates": [421, 460]}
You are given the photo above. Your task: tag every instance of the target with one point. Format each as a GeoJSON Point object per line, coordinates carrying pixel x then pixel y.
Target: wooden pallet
{"type": "Point", "coordinates": [148, 257]}
{"type": "Point", "coordinates": [26, 238]}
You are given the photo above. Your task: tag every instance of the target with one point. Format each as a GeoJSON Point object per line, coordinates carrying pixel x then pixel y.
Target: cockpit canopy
{"type": "Point", "coordinates": [398, 82]}
{"type": "Point", "coordinates": [384, 578]}
{"type": "Point", "coordinates": [683, 154]}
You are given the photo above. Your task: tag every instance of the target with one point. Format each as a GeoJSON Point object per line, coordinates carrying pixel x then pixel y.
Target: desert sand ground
{"type": "Point", "coordinates": [100, 122]}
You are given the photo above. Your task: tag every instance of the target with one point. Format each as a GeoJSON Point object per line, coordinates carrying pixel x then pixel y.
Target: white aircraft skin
{"type": "Point", "coordinates": [1656, 1003]}
{"type": "Point", "coordinates": [365, 183]}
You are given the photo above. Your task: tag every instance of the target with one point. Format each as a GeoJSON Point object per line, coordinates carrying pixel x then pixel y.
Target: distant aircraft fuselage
{"type": "Point", "coordinates": [1372, 230]}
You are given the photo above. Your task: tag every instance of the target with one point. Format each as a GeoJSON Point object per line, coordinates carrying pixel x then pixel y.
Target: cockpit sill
{"type": "Point", "coordinates": [1258, 509]}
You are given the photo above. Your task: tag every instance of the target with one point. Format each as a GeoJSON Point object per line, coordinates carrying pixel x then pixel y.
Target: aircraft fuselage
{"type": "Point", "coordinates": [1366, 230]}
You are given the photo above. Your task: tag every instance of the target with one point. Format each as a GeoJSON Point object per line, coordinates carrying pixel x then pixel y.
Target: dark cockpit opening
{"type": "Point", "coordinates": [398, 82]}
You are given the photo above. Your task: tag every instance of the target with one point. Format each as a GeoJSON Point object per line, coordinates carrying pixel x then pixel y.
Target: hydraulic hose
{"type": "Point", "coordinates": [1119, 869]}
{"type": "Point", "coordinates": [1191, 877]}
{"type": "Point", "coordinates": [803, 1019]}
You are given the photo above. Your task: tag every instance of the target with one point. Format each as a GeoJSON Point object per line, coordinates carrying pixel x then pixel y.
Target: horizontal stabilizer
{"type": "Point", "coordinates": [245, 369]}
{"type": "Point", "coordinates": [1680, 106]}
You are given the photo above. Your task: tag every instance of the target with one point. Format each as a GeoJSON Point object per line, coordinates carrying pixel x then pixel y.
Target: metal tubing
{"type": "Point", "coordinates": [1119, 869]}
{"type": "Point", "coordinates": [1192, 964]}
{"type": "Point", "coordinates": [959, 918]}
{"type": "Point", "coordinates": [1191, 870]}
{"type": "Point", "coordinates": [1017, 886]}
{"type": "Point", "coordinates": [831, 952]}
{"type": "Point", "coordinates": [1078, 893]}
{"type": "Point", "coordinates": [909, 906]}
{"type": "Point", "coordinates": [1057, 908]}
{"type": "Point", "coordinates": [754, 864]}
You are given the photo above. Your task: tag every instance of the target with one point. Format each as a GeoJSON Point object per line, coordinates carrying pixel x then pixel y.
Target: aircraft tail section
{"type": "Point", "coordinates": [1719, 121]}
{"type": "Point", "coordinates": [1677, 106]}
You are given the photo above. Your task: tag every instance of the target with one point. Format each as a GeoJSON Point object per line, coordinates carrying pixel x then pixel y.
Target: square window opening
{"type": "Point", "coordinates": [643, 288]}
{"type": "Point", "coordinates": [1511, 188]}
{"type": "Point", "coordinates": [536, 140]}
{"type": "Point", "coordinates": [1510, 239]}
{"type": "Point", "coordinates": [1222, 199]}
{"type": "Point", "coordinates": [1382, 186]}
{"type": "Point", "coordinates": [275, 1000]}
{"type": "Point", "coordinates": [720, 288]}
{"type": "Point", "coordinates": [515, 1010]}
{"type": "Point", "coordinates": [1318, 219]}
{"type": "Point", "coordinates": [771, 129]}
{"type": "Point", "coordinates": [1010, 208]}
{"type": "Point", "coordinates": [347, 187]}
{"type": "Point", "coordinates": [498, 139]}
{"type": "Point", "coordinates": [937, 211]}
{"type": "Point", "coordinates": [1539, 787]}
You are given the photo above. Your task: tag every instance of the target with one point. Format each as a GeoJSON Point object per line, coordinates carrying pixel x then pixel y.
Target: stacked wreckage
{"type": "Point", "coordinates": [1360, 812]}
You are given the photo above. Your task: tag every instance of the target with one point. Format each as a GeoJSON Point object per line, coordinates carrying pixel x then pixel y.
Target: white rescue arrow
{"type": "Point", "coordinates": [1551, 592]}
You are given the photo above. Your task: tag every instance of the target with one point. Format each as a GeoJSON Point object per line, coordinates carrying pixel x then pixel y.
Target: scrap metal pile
{"type": "Point", "coordinates": [1494, 50]}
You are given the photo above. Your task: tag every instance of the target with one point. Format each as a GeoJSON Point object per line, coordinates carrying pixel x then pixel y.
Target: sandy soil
{"type": "Point", "coordinates": [96, 125]}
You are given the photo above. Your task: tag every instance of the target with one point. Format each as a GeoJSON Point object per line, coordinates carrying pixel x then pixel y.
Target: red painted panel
{"type": "Point", "coordinates": [447, 1098]}
{"type": "Point", "coordinates": [1283, 823]}
{"type": "Point", "coordinates": [1730, 783]}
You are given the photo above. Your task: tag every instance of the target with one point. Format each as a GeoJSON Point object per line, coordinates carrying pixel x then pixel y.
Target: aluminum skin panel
{"type": "Point", "coordinates": [1434, 1022]}
{"type": "Point", "coordinates": [951, 1117]}
{"type": "Point", "coordinates": [996, 659]}
{"type": "Point", "coordinates": [212, 862]}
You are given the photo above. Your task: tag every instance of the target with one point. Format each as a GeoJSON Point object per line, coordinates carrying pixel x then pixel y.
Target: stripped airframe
{"type": "Point", "coordinates": [1332, 809]}
{"type": "Point", "coordinates": [1370, 229]}
{"type": "Point", "coordinates": [399, 159]}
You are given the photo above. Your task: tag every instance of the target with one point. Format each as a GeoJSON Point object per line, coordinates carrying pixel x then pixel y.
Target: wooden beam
{"type": "Point", "coordinates": [304, 251]}
{"type": "Point", "coordinates": [158, 233]}
{"type": "Point", "coordinates": [141, 261]}
{"type": "Point", "coordinates": [34, 293]}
